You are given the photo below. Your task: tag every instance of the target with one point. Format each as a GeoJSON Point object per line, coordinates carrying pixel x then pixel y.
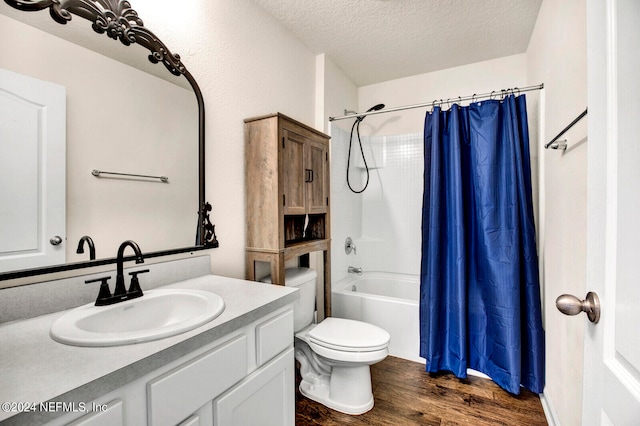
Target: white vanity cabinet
{"type": "Point", "coordinates": [264, 397]}
{"type": "Point", "coordinates": [246, 377]}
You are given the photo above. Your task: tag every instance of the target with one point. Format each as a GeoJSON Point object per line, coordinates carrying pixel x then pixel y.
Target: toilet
{"type": "Point", "coordinates": [335, 354]}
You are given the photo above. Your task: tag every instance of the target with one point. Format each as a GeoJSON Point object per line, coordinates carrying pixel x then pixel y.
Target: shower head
{"type": "Point", "coordinates": [373, 108]}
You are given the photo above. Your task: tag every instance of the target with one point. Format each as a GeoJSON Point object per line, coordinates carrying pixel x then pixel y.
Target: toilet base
{"type": "Point", "coordinates": [320, 393]}
{"type": "Point", "coordinates": [347, 389]}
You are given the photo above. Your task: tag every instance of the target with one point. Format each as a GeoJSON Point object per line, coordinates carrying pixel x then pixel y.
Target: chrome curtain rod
{"type": "Point", "coordinates": [442, 101]}
{"type": "Point", "coordinates": [563, 144]}
{"type": "Point", "coordinates": [97, 173]}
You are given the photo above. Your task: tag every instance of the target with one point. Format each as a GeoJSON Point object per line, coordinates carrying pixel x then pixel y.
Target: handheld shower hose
{"type": "Point", "coordinates": [356, 126]}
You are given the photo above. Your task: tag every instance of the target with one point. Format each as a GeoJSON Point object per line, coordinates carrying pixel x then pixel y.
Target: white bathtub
{"type": "Point", "coordinates": [387, 300]}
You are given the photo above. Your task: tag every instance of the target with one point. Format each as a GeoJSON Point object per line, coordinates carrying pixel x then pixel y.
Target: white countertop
{"type": "Point", "coordinates": [35, 368]}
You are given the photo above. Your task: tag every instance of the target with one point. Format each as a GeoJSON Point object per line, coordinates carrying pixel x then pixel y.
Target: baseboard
{"type": "Point", "coordinates": [549, 412]}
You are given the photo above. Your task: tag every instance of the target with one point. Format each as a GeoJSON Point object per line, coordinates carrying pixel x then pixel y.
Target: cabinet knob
{"type": "Point", "coordinates": [55, 240]}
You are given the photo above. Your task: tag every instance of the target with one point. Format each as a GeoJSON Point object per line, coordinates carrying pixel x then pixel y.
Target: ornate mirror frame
{"type": "Point", "coordinates": [119, 21]}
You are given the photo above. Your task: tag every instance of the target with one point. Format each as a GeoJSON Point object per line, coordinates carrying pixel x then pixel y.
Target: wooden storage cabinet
{"type": "Point", "coordinates": [287, 185]}
{"type": "Point", "coordinates": [304, 170]}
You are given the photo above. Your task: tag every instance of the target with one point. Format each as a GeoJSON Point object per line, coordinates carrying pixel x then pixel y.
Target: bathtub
{"type": "Point", "coordinates": [384, 299]}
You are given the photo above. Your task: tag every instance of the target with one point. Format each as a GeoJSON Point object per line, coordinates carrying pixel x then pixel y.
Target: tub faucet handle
{"type": "Point", "coordinates": [349, 246]}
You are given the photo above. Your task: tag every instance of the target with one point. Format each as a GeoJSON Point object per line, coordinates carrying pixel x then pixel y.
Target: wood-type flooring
{"type": "Point", "coordinates": [406, 395]}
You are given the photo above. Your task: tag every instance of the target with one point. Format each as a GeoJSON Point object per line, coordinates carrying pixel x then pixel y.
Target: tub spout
{"type": "Point", "coordinates": [354, 270]}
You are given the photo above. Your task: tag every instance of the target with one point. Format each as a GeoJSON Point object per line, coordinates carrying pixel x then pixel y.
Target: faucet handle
{"type": "Point", "coordinates": [134, 287]}
{"type": "Point", "coordinates": [104, 293]}
{"type": "Point", "coordinates": [349, 246]}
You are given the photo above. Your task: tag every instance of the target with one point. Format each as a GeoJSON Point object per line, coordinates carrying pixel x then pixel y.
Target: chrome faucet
{"type": "Point", "coordinates": [92, 247]}
{"type": "Point", "coordinates": [354, 270]}
{"type": "Point", "coordinates": [120, 293]}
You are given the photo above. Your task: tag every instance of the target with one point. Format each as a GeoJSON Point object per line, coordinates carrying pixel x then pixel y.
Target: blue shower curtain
{"type": "Point", "coordinates": [479, 293]}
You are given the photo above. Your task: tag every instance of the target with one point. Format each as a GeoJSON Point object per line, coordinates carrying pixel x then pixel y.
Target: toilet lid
{"type": "Point", "coordinates": [349, 335]}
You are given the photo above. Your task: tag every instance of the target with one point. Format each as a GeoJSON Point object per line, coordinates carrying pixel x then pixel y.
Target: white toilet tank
{"type": "Point", "coordinates": [304, 279]}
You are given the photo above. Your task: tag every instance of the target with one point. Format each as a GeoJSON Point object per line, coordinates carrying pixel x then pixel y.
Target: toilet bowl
{"type": "Point", "coordinates": [334, 355]}
{"type": "Point", "coordinates": [335, 372]}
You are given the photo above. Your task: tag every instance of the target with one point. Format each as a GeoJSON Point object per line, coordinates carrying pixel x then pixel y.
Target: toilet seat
{"type": "Point", "coordinates": [348, 340]}
{"type": "Point", "coordinates": [349, 335]}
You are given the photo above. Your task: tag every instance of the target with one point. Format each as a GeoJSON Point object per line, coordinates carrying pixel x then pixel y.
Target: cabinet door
{"type": "Point", "coordinates": [293, 172]}
{"type": "Point", "coordinates": [266, 397]}
{"type": "Point", "coordinates": [317, 158]}
{"type": "Point", "coordinates": [178, 393]}
{"type": "Point", "coordinates": [111, 415]}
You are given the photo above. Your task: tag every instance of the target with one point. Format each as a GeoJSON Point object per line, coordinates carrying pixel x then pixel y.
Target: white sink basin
{"type": "Point", "coordinates": [158, 314]}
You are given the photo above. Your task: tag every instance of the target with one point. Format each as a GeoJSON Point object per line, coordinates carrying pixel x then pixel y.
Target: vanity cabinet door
{"type": "Point", "coordinates": [202, 417]}
{"type": "Point", "coordinates": [177, 394]}
{"type": "Point", "coordinates": [111, 416]}
{"type": "Point", "coordinates": [266, 397]}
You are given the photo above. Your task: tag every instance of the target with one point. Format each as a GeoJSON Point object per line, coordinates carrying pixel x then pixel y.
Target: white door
{"type": "Point", "coordinates": [612, 347]}
{"type": "Point", "coordinates": [32, 172]}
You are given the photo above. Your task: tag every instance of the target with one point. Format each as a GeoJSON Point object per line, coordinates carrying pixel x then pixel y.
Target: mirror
{"type": "Point", "coordinates": [121, 120]}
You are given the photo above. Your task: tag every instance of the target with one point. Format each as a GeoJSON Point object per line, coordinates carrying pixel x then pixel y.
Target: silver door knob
{"type": "Point", "coordinates": [55, 240]}
{"type": "Point", "coordinates": [571, 305]}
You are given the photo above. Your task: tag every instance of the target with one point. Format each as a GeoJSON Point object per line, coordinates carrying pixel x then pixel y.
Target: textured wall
{"type": "Point", "coordinates": [246, 64]}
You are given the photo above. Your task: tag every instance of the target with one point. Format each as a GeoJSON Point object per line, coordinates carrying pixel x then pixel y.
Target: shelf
{"type": "Point", "coordinates": [303, 247]}
{"type": "Point", "coordinates": [294, 230]}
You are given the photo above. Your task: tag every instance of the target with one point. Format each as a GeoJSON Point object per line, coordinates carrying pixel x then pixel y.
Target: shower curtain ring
{"type": "Point", "coordinates": [473, 98]}
{"type": "Point", "coordinates": [491, 95]}
{"type": "Point", "coordinates": [518, 90]}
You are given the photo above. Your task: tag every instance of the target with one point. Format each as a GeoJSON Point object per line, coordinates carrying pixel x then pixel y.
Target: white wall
{"type": "Point", "coordinates": [246, 65]}
{"type": "Point", "coordinates": [337, 94]}
{"type": "Point", "coordinates": [481, 77]}
{"type": "Point", "coordinates": [557, 56]}
{"type": "Point", "coordinates": [385, 220]}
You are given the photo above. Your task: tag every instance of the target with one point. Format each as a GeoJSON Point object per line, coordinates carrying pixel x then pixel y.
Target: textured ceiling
{"type": "Point", "coordinates": [378, 40]}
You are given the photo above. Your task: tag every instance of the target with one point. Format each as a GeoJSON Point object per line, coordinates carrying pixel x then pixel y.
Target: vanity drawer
{"type": "Point", "coordinates": [177, 394]}
{"type": "Point", "coordinates": [273, 336]}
